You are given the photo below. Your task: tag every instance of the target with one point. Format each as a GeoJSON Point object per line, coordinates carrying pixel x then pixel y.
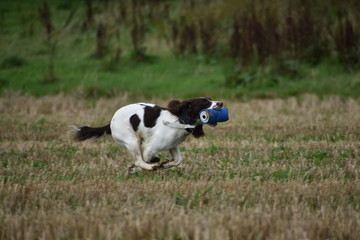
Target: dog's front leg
{"type": "Point", "coordinates": [176, 156]}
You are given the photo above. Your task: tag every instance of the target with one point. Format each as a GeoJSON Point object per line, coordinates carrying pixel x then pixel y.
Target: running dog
{"type": "Point", "coordinates": [146, 129]}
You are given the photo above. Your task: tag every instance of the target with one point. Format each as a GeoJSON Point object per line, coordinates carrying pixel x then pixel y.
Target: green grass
{"type": "Point", "coordinates": [165, 77]}
{"type": "Point", "coordinates": [24, 57]}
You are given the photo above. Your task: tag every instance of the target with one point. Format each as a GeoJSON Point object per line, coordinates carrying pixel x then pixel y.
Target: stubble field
{"type": "Point", "coordinates": [279, 169]}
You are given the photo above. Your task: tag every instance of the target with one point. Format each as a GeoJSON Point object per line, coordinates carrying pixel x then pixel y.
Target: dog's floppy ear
{"type": "Point", "coordinates": [198, 131]}
{"type": "Point", "coordinates": [173, 104]}
{"type": "Point", "coordinates": [185, 113]}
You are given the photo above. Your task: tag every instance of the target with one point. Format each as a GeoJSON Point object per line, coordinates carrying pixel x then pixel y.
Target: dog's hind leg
{"type": "Point", "coordinates": [136, 150]}
{"type": "Point", "coordinates": [148, 155]}
{"type": "Point", "coordinates": [140, 165]}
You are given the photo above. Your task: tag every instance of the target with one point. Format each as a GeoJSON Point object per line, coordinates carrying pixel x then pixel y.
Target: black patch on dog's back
{"type": "Point", "coordinates": [151, 114]}
{"type": "Point", "coordinates": [135, 121]}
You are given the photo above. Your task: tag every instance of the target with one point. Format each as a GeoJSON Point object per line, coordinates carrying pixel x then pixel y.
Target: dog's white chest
{"type": "Point", "coordinates": [163, 137]}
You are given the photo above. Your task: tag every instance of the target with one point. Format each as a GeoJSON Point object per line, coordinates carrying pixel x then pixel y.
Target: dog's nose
{"type": "Point", "coordinates": [218, 105]}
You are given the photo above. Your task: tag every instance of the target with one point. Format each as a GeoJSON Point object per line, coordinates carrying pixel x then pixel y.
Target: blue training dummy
{"type": "Point", "coordinates": [214, 115]}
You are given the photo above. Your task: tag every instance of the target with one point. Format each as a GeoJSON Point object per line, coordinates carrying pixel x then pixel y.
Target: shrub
{"type": "Point", "coordinates": [13, 62]}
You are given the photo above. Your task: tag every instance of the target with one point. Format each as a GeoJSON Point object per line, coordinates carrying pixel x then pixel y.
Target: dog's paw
{"type": "Point", "coordinates": [133, 169]}
{"type": "Point", "coordinates": [154, 168]}
{"type": "Point", "coordinates": [163, 164]}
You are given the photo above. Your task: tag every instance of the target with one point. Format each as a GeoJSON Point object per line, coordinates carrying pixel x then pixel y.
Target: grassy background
{"type": "Point", "coordinates": [279, 169]}
{"type": "Point", "coordinates": [25, 53]}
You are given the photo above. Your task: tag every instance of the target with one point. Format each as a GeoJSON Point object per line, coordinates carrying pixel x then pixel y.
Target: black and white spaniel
{"type": "Point", "coordinates": [146, 129]}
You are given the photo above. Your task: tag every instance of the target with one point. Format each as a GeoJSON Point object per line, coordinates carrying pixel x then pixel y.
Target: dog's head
{"type": "Point", "coordinates": [188, 111]}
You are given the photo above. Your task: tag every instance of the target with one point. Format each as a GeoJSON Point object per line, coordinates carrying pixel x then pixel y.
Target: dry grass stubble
{"type": "Point", "coordinates": [279, 169]}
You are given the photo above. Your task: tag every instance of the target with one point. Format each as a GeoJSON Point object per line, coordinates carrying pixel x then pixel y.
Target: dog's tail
{"type": "Point", "coordinates": [85, 132]}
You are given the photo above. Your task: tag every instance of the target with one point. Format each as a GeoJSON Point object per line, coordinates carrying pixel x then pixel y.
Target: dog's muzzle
{"type": "Point", "coordinates": [217, 105]}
